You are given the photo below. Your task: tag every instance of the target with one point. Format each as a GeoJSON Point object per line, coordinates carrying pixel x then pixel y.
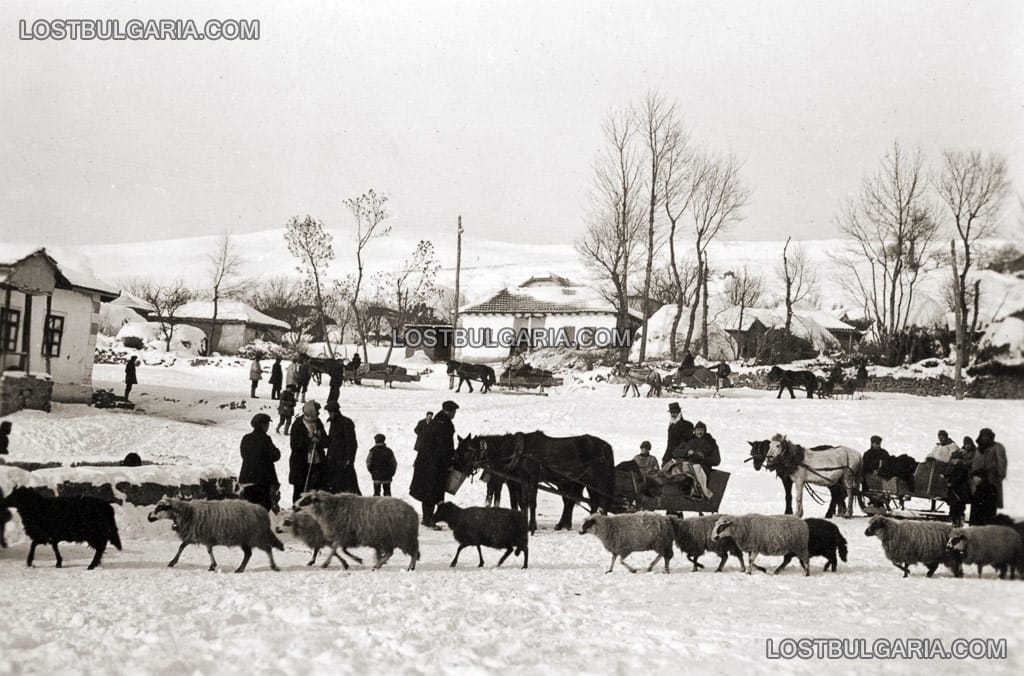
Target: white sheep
{"type": "Point", "coordinates": [306, 528]}
{"type": "Point", "coordinates": [769, 535]}
{"type": "Point", "coordinates": [223, 523]}
{"type": "Point", "coordinates": [907, 542]}
{"type": "Point", "coordinates": [996, 546]}
{"type": "Point", "coordinates": [383, 523]}
{"type": "Point", "coordinates": [693, 537]}
{"type": "Point", "coordinates": [624, 534]}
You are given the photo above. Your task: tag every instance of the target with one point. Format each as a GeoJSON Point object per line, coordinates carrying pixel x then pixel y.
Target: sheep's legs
{"type": "Point", "coordinates": [905, 568]}
{"type": "Point", "coordinates": [350, 555]}
{"type": "Point", "coordinates": [696, 565]}
{"type": "Point", "coordinates": [31, 554]}
{"type": "Point", "coordinates": [313, 560]}
{"type": "Point", "coordinates": [381, 560]}
{"type": "Point", "coordinates": [659, 558]}
{"type": "Point", "coordinates": [504, 556]}
{"type": "Point", "coordinates": [246, 555]}
{"type": "Point", "coordinates": [481, 555]}
{"type": "Point", "coordinates": [456, 559]}
{"type": "Point", "coordinates": [177, 556]}
{"type": "Point", "coordinates": [750, 562]}
{"type": "Point", "coordinates": [614, 556]}
{"type": "Point", "coordinates": [213, 561]}
{"type": "Point", "coordinates": [805, 563]}
{"type": "Point", "coordinates": [932, 567]}
{"type": "Point", "coordinates": [630, 568]}
{"type": "Point", "coordinates": [60, 561]}
{"type": "Point", "coordinates": [785, 562]}
{"type": "Point", "coordinates": [270, 554]}
{"type": "Point", "coordinates": [98, 556]}
{"type": "Point", "coordinates": [334, 553]}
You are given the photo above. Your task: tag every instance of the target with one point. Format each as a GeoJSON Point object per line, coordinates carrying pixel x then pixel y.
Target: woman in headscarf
{"type": "Point", "coordinates": [308, 443]}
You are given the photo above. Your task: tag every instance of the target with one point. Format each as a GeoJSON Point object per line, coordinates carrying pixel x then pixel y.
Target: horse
{"type": "Point", "coordinates": [528, 458]}
{"type": "Point", "coordinates": [636, 376]}
{"type": "Point", "coordinates": [758, 453]}
{"type": "Point", "coordinates": [789, 379]}
{"type": "Point", "coordinates": [318, 366]}
{"type": "Point", "coordinates": [467, 373]}
{"type": "Point", "coordinates": [825, 467]}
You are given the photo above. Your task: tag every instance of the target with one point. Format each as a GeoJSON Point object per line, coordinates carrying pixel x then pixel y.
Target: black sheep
{"type": "Point", "coordinates": [486, 526]}
{"type": "Point", "coordinates": [65, 519]}
{"type": "Point", "coordinates": [823, 539]}
{"type": "Point", "coordinates": [5, 516]}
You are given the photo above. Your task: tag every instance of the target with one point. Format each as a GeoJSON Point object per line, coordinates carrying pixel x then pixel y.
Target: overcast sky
{"type": "Point", "coordinates": [485, 109]}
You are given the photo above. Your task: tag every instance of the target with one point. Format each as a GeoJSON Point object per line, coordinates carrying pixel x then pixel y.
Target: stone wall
{"type": "Point", "coordinates": [18, 391]}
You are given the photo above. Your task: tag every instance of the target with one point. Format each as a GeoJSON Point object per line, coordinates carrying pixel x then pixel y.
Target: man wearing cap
{"type": "Point", "coordinates": [991, 459]}
{"type": "Point", "coordinates": [680, 431]}
{"type": "Point", "coordinates": [341, 452]}
{"type": "Point", "coordinates": [422, 427]}
{"type": "Point", "coordinates": [873, 458]}
{"type": "Point", "coordinates": [435, 457]}
{"type": "Point", "coordinates": [308, 440]}
{"type": "Point", "coordinates": [258, 475]}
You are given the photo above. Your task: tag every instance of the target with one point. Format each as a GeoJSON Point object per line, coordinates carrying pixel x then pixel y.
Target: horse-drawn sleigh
{"type": "Point", "coordinates": [510, 380]}
{"type": "Point", "coordinates": [359, 371]}
{"type": "Point", "coordinates": [892, 496]}
{"type": "Point", "coordinates": [568, 466]}
{"type": "Point", "coordinates": [698, 377]}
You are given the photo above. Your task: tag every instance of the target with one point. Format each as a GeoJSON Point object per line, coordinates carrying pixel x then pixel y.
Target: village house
{"type": "Point", "coordinates": [48, 323]}
{"type": "Point", "coordinates": [564, 313]}
{"type": "Point", "coordinates": [237, 324]}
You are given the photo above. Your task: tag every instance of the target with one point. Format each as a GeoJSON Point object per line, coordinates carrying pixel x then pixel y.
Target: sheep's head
{"type": "Point", "coordinates": [957, 543]}
{"type": "Point", "coordinates": [876, 526]}
{"type": "Point", "coordinates": [591, 521]}
{"type": "Point", "coordinates": [723, 529]}
{"type": "Point", "coordinates": [310, 498]}
{"type": "Point", "coordinates": [21, 495]}
{"type": "Point", "coordinates": [444, 512]}
{"type": "Point", "coordinates": [164, 509]}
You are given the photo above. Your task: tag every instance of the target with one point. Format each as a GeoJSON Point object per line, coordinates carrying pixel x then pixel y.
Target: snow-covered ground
{"type": "Point", "coordinates": [563, 615]}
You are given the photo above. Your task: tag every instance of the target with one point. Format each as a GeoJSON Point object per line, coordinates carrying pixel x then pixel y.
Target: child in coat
{"type": "Point", "coordinates": [286, 409]}
{"type": "Point", "coordinates": [380, 460]}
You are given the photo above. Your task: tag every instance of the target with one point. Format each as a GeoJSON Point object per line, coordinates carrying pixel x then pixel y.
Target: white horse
{"type": "Point", "coordinates": [826, 467]}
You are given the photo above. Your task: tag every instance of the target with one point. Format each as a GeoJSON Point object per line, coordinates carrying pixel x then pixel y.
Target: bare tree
{"type": "Point", "coordinates": [370, 212]}
{"type": "Point", "coordinates": [718, 197]}
{"type": "Point", "coordinates": [659, 130]}
{"type": "Point", "coordinates": [974, 188]}
{"type": "Point", "coordinates": [225, 264]}
{"type": "Point", "coordinates": [166, 300]}
{"type": "Point", "coordinates": [893, 228]}
{"type": "Point", "coordinates": [612, 239]}
{"type": "Point", "coordinates": [797, 276]}
{"type": "Point", "coordinates": [744, 290]}
{"type": "Point", "coordinates": [282, 298]}
{"type": "Point", "coordinates": [309, 241]}
{"type": "Point", "coordinates": [410, 290]}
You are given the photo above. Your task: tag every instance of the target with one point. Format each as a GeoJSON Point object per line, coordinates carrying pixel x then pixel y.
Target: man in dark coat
{"type": "Point", "coordinates": [341, 452]}
{"type": "Point", "coordinates": [680, 431]}
{"type": "Point", "coordinates": [984, 502]}
{"type": "Point", "coordinates": [258, 457]}
{"type": "Point", "coordinates": [873, 458]}
{"type": "Point", "coordinates": [430, 470]}
{"type": "Point", "coordinates": [276, 378]}
{"type": "Point", "coordinates": [302, 375]}
{"type": "Point", "coordinates": [308, 439]}
{"type": "Point", "coordinates": [422, 427]}
{"type": "Point", "coordinates": [696, 457]}
{"type": "Point", "coordinates": [129, 376]}
{"type": "Point", "coordinates": [337, 377]}
{"type": "Point", "coordinates": [991, 458]}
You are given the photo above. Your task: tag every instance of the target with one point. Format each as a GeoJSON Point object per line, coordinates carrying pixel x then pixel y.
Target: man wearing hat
{"type": "Point", "coordinates": [873, 458]}
{"type": "Point", "coordinates": [680, 431]}
{"type": "Point", "coordinates": [258, 475]}
{"type": "Point", "coordinates": [341, 452]}
{"type": "Point", "coordinates": [991, 459]}
{"type": "Point", "coordinates": [308, 440]}
{"type": "Point", "coordinates": [435, 457]}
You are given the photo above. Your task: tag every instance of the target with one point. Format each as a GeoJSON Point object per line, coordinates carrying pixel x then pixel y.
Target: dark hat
{"type": "Point", "coordinates": [875, 437]}
{"type": "Point", "coordinates": [700, 426]}
{"type": "Point", "coordinates": [645, 444]}
{"type": "Point", "coordinates": [449, 406]}
{"type": "Point", "coordinates": [259, 419]}
{"type": "Point", "coordinates": [378, 438]}
{"type": "Point", "coordinates": [986, 432]}
{"type": "Point", "coordinates": [674, 407]}
{"type": "Point", "coordinates": [333, 406]}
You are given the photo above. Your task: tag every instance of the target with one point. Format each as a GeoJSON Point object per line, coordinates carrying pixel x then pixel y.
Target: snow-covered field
{"type": "Point", "coordinates": [563, 615]}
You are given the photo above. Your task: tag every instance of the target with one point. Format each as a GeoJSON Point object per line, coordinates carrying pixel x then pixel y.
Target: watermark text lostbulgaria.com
{"type": "Point", "coordinates": [138, 29]}
{"type": "Point", "coordinates": [885, 649]}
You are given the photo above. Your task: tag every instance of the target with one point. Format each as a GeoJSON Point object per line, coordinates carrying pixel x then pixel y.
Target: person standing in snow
{"type": "Point", "coordinates": [991, 459]}
{"type": "Point", "coordinates": [341, 452]}
{"type": "Point", "coordinates": [129, 376]}
{"type": "Point", "coordinates": [275, 379]}
{"type": "Point", "coordinates": [5, 433]}
{"type": "Point", "coordinates": [308, 440]}
{"type": "Point", "coordinates": [258, 474]}
{"type": "Point", "coordinates": [430, 470]}
{"type": "Point", "coordinates": [289, 373]}
{"type": "Point", "coordinates": [302, 375]}
{"type": "Point", "coordinates": [286, 408]}
{"type": "Point", "coordinates": [255, 375]}
{"type": "Point", "coordinates": [381, 463]}
{"type": "Point", "coordinates": [421, 427]}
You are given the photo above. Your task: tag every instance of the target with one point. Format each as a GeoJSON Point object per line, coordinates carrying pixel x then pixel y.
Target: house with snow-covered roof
{"type": "Point", "coordinates": [237, 324]}
{"type": "Point", "coordinates": [48, 322]}
{"type": "Point", "coordinates": [564, 312]}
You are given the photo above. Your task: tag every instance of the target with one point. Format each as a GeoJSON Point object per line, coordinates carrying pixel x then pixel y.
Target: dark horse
{"type": "Point", "coordinates": [789, 379]}
{"type": "Point", "coordinates": [570, 464]}
{"type": "Point", "coordinates": [758, 453]}
{"type": "Point", "coordinates": [467, 373]}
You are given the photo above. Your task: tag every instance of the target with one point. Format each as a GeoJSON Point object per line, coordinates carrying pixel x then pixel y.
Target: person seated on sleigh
{"type": "Point", "coordinates": [516, 365]}
{"type": "Point", "coordinates": [693, 460]}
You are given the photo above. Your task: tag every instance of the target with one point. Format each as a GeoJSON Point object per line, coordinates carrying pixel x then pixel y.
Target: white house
{"type": "Point", "coordinates": [48, 322]}
{"type": "Point", "coordinates": [237, 324]}
{"type": "Point", "coordinates": [542, 311]}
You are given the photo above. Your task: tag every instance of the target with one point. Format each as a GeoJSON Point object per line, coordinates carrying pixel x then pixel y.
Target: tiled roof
{"type": "Point", "coordinates": [506, 302]}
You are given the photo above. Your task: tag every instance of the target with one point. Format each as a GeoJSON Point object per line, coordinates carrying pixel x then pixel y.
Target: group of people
{"type": "Point", "coordinates": [974, 472]}
{"type": "Point", "coordinates": [297, 377]}
{"type": "Point", "coordinates": [690, 454]}
{"type": "Point", "coordinates": [321, 457]}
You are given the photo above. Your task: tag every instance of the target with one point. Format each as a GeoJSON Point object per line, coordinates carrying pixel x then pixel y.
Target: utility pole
{"type": "Point", "coordinates": [958, 378]}
{"type": "Point", "coordinates": [455, 314]}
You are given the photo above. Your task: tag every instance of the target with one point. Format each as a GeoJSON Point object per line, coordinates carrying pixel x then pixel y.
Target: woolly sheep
{"type": "Point", "coordinates": [823, 539]}
{"type": "Point", "coordinates": [996, 546]}
{"type": "Point", "coordinates": [65, 519]}
{"type": "Point", "coordinates": [693, 537]}
{"type": "Point", "coordinates": [487, 526]}
{"type": "Point", "coordinates": [907, 542]}
{"type": "Point", "coordinates": [305, 527]}
{"type": "Point", "coordinates": [219, 523]}
{"type": "Point", "coordinates": [383, 523]}
{"type": "Point", "coordinates": [769, 535]}
{"type": "Point", "coordinates": [624, 534]}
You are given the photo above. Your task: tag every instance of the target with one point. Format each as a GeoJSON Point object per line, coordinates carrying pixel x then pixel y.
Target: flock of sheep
{"type": "Point", "coordinates": [384, 524]}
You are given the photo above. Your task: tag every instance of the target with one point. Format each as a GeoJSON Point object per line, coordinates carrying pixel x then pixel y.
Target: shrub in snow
{"type": "Point", "coordinates": [488, 527]}
{"type": "Point", "coordinates": [262, 349]}
{"type": "Point", "coordinates": [133, 342]}
{"type": "Point", "coordinates": [769, 535]}
{"type": "Point", "coordinates": [224, 523]}
{"type": "Point", "coordinates": [383, 523]}
{"type": "Point", "coordinates": [996, 546]}
{"type": "Point", "coordinates": [65, 519]}
{"type": "Point", "coordinates": [624, 534]}
{"type": "Point", "coordinates": [907, 542]}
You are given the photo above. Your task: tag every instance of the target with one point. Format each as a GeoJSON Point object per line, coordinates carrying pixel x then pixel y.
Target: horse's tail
{"type": "Point", "coordinates": [841, 546]}
{"type": "Point", "coordinates": [488, 376]}
{"type": "Point", "coordinates": [604, 465]}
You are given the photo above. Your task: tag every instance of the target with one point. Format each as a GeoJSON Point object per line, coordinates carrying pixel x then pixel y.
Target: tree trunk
{"type": "Point", "coordinates": [704, 313]}
{"type": "Point", "coordinates": [958, 377]}
{"type": "Point", "coordinates": [693, 306]}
